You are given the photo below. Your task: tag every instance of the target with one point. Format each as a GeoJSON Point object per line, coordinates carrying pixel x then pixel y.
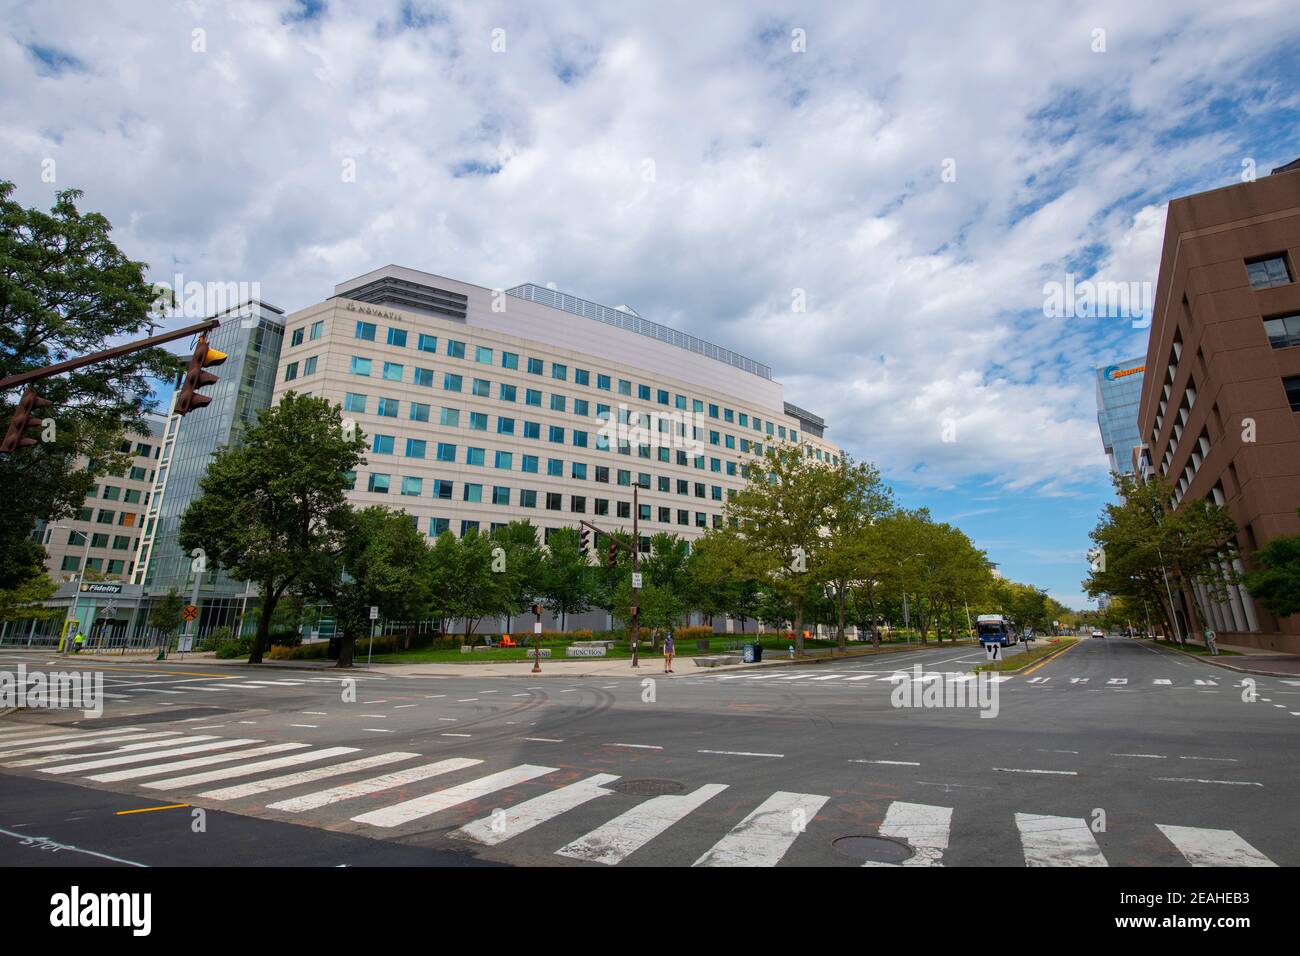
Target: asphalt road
{"type": "Point", "coordinates": [1114, 753]}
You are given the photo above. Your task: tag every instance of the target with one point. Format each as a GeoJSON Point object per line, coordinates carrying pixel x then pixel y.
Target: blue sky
{"type": "Point", "coordinates": [913, 174]}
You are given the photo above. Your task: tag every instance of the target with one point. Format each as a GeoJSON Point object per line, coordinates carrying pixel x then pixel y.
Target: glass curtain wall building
{"type": "Point", "coordinates": [1119, 390]}
{"type": "Point", "coordinates": [251, 335]}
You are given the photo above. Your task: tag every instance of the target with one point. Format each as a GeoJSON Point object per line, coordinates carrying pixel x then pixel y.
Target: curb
{"type": "Point", "coordinates": [1230, 667]}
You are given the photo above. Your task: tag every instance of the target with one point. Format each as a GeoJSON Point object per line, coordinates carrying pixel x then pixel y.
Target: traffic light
{"type": "Point", "coordinates": [24, 418]}
{"type": "Point", "coordinates": [204, 357]}
{"type": "Point", "coordinates": [612, 559]}
{"type": "Point", "coordinates": [584, 541]}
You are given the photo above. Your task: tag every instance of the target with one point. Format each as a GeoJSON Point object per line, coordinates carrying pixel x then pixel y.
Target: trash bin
{"type": "Point", "coordinates": [758, 652]}
{"type": "Point", "coordinates": [332, 652]}
{"type": "Point", "coordinates": [747, 653]}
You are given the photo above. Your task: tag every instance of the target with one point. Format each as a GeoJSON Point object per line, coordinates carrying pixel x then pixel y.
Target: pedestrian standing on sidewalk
{"type": "Point", "coordinates": [668, 653]}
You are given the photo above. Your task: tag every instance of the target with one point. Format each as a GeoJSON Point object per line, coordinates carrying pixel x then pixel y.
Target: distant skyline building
{"type": "Point", "coordinates": [251, 335]}
{"type": "Point", "coordinates": [1119, 392]}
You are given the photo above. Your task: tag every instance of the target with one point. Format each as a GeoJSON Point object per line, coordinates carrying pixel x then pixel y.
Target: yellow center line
{"type": "Point", "coordinates": [170, 806]}
{"type": "Point", "coordinates": [1048, 659]}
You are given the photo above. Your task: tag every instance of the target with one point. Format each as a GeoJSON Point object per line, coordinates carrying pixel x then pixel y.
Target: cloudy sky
{"type": "Point", "coordinates": [913, 173]}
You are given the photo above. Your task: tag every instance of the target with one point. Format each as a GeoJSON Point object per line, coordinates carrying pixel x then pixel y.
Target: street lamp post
{"type": "Point", "coordinates": [81, 578]}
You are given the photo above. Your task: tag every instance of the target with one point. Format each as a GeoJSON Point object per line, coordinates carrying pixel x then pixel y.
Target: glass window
{"type": "Point", "coordinates": [624, 387]}
{"type": "Point", "coordinates": [393, 371]}
{"type": "Point", "coordinates": [449, 417]}
{"type": "Point", "coordinates": [534, 366]}
{"type": "Point", "coordinates": [504, 460]}
{"type": "Point", "coordinates": [602, 381]}
{"type": "Point", "coordinates": [309, 366]}
{"type": "Point", "coordinates": [317, 329]}
{"type": "Point", "coordinates": [555, 433]}
{"type": "Point", "coordinates": [413, 486]}
{"type": "Point", "coordinates": [352, 402]}
{"type": "Point", "coordinates": [473, 492]}
{"type": "Point", "coordinates": [578, 470]}
{"type": "Point", "coordinates": [446, 451]}
{"type": "Point", "coordinates": [467, 526]}
{"type": "Point", "coordinates": [387, 407]}
{"type": "Point", "coordinates": [505, 426]}
{"type": "Point", "coordinates": [423, 376]}
{"type": "Point", "coordinates": [427, 343]}
{"type": "Point", "coordinates": [580, 407]}
{"type": "Point", "coordinates": [507, 393]}
{"type": "Point", "coordinates": [378, 483]}
{"type": "Point", "coordinates": [416, 447]}
{"type": "Point", "coordinates": [291, 371]}
{"type": "Point", "coordinates": [661, 396]}
{"type": "Point", "coordinates": [482, 355]}
{"type": "Point", "coordinates": [557, 402]}
{"type": "Point", "coordinates": [554, 501]}
{"type": "Point", "coordinates": [439, 526]}
{"type": "Point", "coordinates": [360, 366]}
{"type": "Point", "coordinates": [509, 360]}
{"type": "Point", "coordinates": [451, 383]}
{"type": "Point", "coordinates": [455, 349]}
{"type": "Point", "coordinates": [480, 387]}
{"type": "Point", "coordinates": [555, 467]}
{"type": "Point", "coordinates": [474, 456]}
{"type": "Point", "coordinates": [527, 498]}
{"type": "Point", "coordinates": [581, 376]}
{"type": "Point", "coordinates": [643, 392]}
{"type": "Point", "coordinates": [533, 396]}
{"type": "Point", "coordinates": [419, 412]}
{"type": "Point", "coordinates": [1283, 331]}
{"type": "Point", "coordinates": [532, 430]}
{"type": "Point", "coordinates": [442, 488]}
{"type": "Point", "coordinates": [382, 444]}
{"type": "Point", "coordinates": [365, 331]}
{"type": "Point", "coordinates": [1268, 271]}
{"type": "Point", "coordinates": [528, 463]}
{"type": "Point", "coordinates": [579, 439]}
{"type": "Point", "coordinates": [397, 337]}
{"type": "Point", "coordinates": [559, 372]}
{"type": "Point", "coordinates": [478, 421]}
{"type": "Point", "coordinates": [500, 495]}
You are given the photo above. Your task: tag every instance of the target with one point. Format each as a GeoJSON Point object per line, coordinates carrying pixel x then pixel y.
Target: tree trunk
{"type": "Point", "coordinates": [798, 629]}
{"type": "Point", "coordinates": [260, 639]}
{"type": "Point", "coordinates": [839, 637]}
{"type": "Point", "coordinates": [347, 649]}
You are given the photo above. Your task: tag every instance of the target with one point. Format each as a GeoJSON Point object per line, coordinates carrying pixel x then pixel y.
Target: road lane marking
{"type": "Point", "coordinates": [924, 827]}
{"type": "Point", "coordinates": [100, 763]}
{"type": "Point", "coordinates": [80, 743]}
{"type": "Point", "coordinates": [225, 773]}
{"type": "Point", "coordinates": [1147, 756]}
{"type": "Point", "coordinates": [895, 763]}
{"type": "Point", "coordinates": [499, 827]}
{"type": "Point", "coordinates": [613, 842]}
{"type": "Point", "coordinates": [736, 753]}
{"type": "Point", "coordinates": [637, 746]}
{"type": "Point", "coordinates": [766, 835]}
{"type": "Point", "coordinates": [237, 791]}
{"type": "Point", "coordinates": [116, 751]}
{"type": "Point", "coordinates": [170, 806]}
{"type": "Point", "coordinates": [154, 770]}
{"type": "Point", "coordinates": [363, 788]}
{"type": "Point", "coordinates": [1061, 773]}
{"type": "Point", "coordinates": [1057, 841]}
{"type": "Point", "coordinates": [431, 803]}
{"type": "Point", "coordinates": [1205, 847]}
{"type": "Point", "coordinates": [546, 740]}
{"type": "Point", "coordinates": [1230, 783]}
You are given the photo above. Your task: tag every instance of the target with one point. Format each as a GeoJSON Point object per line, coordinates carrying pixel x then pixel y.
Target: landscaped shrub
{"type": "Point", "coordinates": [235, 647]}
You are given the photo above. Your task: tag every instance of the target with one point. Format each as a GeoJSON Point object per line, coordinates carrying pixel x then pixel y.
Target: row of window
{"type": "Point", "coordinates": [116, 566]}
{"type": "Point", "coordinates": [125, 519]}
{"type": "Point", "coordinates": [484, 355]}
{"type": "Point", "coordinates": [121, 542]}
{"type": "Point", "coordinates": [578, 505]}
{"type": "Point", "coordinates": [413, 486]}
{"type": "Point", "coordinates": [131, 496]}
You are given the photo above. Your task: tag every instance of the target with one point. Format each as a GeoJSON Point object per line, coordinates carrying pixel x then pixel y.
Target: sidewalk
{"type": "Point", "coordinates": [651, 665]}
{"type": "Point", "coordinates": [1252, 660]}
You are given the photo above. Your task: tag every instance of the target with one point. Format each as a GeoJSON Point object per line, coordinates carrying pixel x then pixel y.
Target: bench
{"type": "Point", "coordinates": [716, 660]}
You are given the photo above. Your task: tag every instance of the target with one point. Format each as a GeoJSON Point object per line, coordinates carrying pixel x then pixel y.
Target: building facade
{"type": "Point", "coordinates": [485, 406]}
{"type": "Point", "coordinates": [251, 335]}
{"type": "Point", "coordinates": [1119, 389]}
{"type": "Point", "coordinates": [105, 533]}
{"type": "Point", "coordinates": [1221, 393]}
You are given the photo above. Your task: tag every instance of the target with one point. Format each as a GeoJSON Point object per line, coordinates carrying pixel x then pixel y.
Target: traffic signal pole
{"type": "Point", "coordinates": [634, 629]}
{"type": "Point", "coordinates": [39, 373]}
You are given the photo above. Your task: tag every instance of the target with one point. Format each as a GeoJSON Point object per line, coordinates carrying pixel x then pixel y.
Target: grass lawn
{"type": "Point", "coordinates": [1029, 656]}
{"type": "Point", "coordinates": [719, 644]}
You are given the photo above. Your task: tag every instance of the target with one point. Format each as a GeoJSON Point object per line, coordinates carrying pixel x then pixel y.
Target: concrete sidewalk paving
{"type": "Point", "coordinates": [1252, 660]}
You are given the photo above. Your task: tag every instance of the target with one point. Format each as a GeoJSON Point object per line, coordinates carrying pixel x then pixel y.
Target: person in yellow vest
{"type": "Point", "coordinates": [78, 641]}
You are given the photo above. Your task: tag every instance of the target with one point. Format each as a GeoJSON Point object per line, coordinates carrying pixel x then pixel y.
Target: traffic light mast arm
{"type": "Point", "coordinates": [601, 531]}
{"type": "Point", "coordinates": [115, 352]}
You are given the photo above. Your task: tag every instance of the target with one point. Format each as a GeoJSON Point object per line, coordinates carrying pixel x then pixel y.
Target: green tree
{"type": "Point", "coordinates": [1276, 583]}
{"type": "Point", "coordinates": [24, 602]}
{"type": "Point", "coordinates": [383, 562]}
{"type": "Point", "coordinates": [566, 578]}
{"type": "Point", "coordinates": [521, 580]}
{"type": "Point", "coordinates": [165, 615]}
{"type": "Point", "coordinates": [66, 290]}
{"type": "Point", "coordinates": [273, 506]}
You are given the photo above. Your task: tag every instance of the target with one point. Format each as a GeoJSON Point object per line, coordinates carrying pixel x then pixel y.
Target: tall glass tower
{"type": "Point", "coordinates": [251, 334]}
{"type": "Point", "coordinates": [1119, 389]}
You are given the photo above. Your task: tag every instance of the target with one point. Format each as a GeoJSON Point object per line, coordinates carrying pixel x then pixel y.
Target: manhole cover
{"type": "Point", "coordinates": [647, 788]}
{"type": "Point", "coordinates": [872, 849]}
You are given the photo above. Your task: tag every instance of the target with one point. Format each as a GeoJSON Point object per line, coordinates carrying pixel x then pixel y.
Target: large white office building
{"type": "Point", "coordinates": [483, 406]}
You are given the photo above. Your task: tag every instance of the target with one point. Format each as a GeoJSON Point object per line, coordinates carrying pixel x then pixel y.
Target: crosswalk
{"type": "Point", "coordinates": [120, 687]}
{"type": "Point", "coordinates": [812, 678]}
{"type": "Point", "coordinates": [396, 791]}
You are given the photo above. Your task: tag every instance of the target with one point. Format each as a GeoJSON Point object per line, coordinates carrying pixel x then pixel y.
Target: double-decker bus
{"type": "Point", "coordinates": [996, 629]}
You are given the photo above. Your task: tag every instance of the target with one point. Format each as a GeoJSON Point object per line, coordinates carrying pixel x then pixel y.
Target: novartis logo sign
{"type": "Point", "coordinates": [371, 310]}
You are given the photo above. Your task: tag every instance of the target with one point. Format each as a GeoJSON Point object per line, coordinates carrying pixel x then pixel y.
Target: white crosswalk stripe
{"type": "Point", "coordinates": [44, 737]}
{"type": "Point", "coordinates": [924, 827]}
{"type": "Point", "coordinates": [1057, 841]}
{"type": "Point", "coordinates": [1205, 847]}
{"type": "Point", "coordinates": [78, 743]}
{"type": "Point", "coordinates": [306, 776]}
{"type": "Point", "coordinates": [500, 827]}
{"type": "Point", "coordinates": [99, 764]}
{"type": "Point", "coordinates": [47, 759]}
{"type": "Point", "coordinates": [362, 788]}
{"type": "Point", "coordinates": [764, 837]}
{"type": "Point", "coordinates": [431, 803]}
{"type": "Point", "coordinates": [225, 773]}
{"type": "Point", "coordinates": [614, 841]}
{"type": "Point", "coordinates": [154, 770]}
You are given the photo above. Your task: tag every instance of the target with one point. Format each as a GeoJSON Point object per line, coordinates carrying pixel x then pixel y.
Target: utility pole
{"type": "Point", "coordinates": [537, 637]}
{"type": "Point", "coordinates": [81, 577]}
{"type": "Point", "coordinates": [635, 632]}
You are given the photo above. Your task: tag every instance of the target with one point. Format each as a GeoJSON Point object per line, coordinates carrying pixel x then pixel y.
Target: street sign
{"type": "Point", "coordinates": [993, 652]}
{"type": "Point", "coordinates": [374, 613]}
{"type": "Point", "coordinates": [537, 627]}
{"type": "Point", "coordinates": [636, 579]}
{"type": "Point", "coordinates": [190, 613]}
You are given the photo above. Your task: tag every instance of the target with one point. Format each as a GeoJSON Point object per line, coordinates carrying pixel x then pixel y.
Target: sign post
{"type": "Point", "coordinates": [370, 649]}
